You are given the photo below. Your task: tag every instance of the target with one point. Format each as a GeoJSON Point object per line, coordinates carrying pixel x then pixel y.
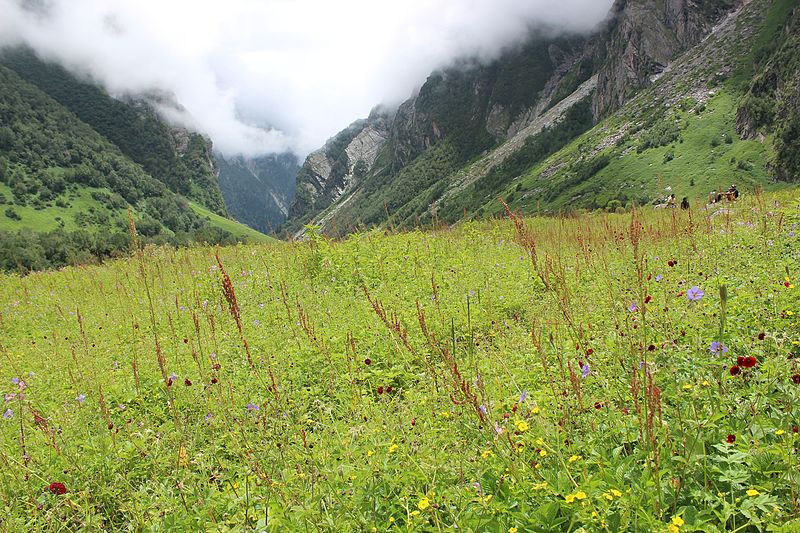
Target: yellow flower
{"type": "Point", "coordinates": [789, 313]}
{"type": "Point", "coordinates": [512, 530]}
{"type": "Point", "coordinates": [706, 383]}
{"type": "Point", "coordinates": [370, 453]}
{"type": "Point", "coordinates": [608, 496]}
{"type": "Point", "coordinates": [486, 454]}
{"type": "Point", "coordinates": [539, 442]}
{"type": "Point", "coordinates": [424, 503]}
{"type": "Point", "coordinates": [569, 498]}
{"type": "Point", "coordinates": [543, 453]}
{"type": "Point", "coordinates": [522, 426]}
{"type": "Point", "coordinates": [393, 448]}
{"type": "Point", "coordinates": [391, 520]}
{"type": "Point", "coordinates": [580, 495]}
{"type": "Point", "coordinates": [445, 414]}
{"type": "Point", "coordinates": [616, 493]}
{"type": "Point", "coordinates": [574, 458]}
{"type": "Point", "coordinates": [687, 387]}
{"type": "Point", "coordinates": [540, 486]}
{"type": "Point", "coordinates": [780, 432]}
{"type": "Point", "coordinates": [535, 410]}
{"type": "Point", "coordinates": [752, 492]}
{"type": "Point", "coordinates": [678, 521]}
{"type": "Point", "coordinates": [414, 513]}
{"type": "Point", "coordinates": [672, 528]}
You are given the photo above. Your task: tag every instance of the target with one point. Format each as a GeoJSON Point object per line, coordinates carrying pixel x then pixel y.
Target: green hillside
{"type": "Point", "coordinates": [57, 174]}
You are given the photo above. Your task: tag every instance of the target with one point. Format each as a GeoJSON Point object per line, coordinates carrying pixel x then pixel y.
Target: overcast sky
{"type": "Point", "coordinates": [306, 67]}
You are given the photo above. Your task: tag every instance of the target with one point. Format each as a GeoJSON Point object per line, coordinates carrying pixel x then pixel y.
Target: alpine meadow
{"type": "Point", "coordinates": [554, 287]}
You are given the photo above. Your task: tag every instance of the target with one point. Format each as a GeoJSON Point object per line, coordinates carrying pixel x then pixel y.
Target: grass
{"type": "Point", "coordinates": [238, 230]}
{"type": "Point", "coordinates": [78, 201]}
{"type": "Point", "coordinates": [494, 377]}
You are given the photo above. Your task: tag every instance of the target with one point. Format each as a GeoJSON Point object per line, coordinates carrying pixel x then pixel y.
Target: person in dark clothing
{"type": "Point", "coordinates": [685, 203]}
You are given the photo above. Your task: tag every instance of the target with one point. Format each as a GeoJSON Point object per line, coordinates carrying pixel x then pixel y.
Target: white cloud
{"type": "Point", "coordinates": [306, 67]}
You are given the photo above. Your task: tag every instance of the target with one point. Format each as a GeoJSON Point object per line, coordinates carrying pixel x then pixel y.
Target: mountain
{"type": "Point", "coordinates": [73, 160]}
{"type": "Point", "coordinates": [648, 101]}
{"type": "Point", "coordinates": [258, 191]}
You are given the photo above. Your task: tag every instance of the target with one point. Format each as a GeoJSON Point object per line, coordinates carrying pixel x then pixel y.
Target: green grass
{"type": "Point", "coordinates": [416, 381]}
{"type": "Point", "coordinates": [240, 231]}
{"type": "Point", "coordinates": [45, 219]}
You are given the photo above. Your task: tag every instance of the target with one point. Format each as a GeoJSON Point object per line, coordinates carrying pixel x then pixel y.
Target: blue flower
{"type": "Point", "coordinates": [718, 348]}
{"type": "Point", "coordinates": [8, 414]}
{"type": "Point", "coordinates": [252, 407]}
{"type": "Point", "coordinates": [585, 370]}
{"type": "Point", "coordinates": [633, 307]}
{"type": "Point", "coordinates": [81, 398]}
{"type": "Point", "coordinates": [695, 294]}
{"type": "Point", "coordinates": [523, 396]}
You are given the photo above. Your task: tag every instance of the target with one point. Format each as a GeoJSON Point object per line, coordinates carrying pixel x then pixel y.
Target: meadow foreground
{"type": "Point", "coordinates": [630, 372]}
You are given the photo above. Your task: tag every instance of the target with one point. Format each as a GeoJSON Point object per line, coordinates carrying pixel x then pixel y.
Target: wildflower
{"type": "Point", "coordinates": [616, 493]}
{"type": "Point", "coordinates": [735, 370]}
{"type": "Point", "coordinates": [535, 410]}
{"type": "Point", "coordinates": [585, 371]}
{"type": "Point", "coordinates": [415, 513]}
{"type": "Point", "coordinates": [752, 492]}
{"type": "Point", "coordinates": [187, 382]}
{"type": "Point", "coordinates": [580, 495]}
{"type": "Point", "coordinates": [540, 486]}
{"type": "Point", "coordinates": [522, 426]}
{"type": "Point", "coordinates": [731, 438]}
{"type": "Point", "coordinates": [543, 453]}
{"type": "Point", "coordinates": [482, 409]}
{"type": "Point", "coordinates": [253, 407]}
{"type": "Point", "coordinates": [8, 414]}
{"type": "Point", "coordinates": [647, 299]}
{"type": "Point", "coordinates": [367, 361]}
{"type": "Point", "coordinates": [694, 294]}
{"type": "Point", "coordinates": [608, 496]}
{"type": "Point", "coordinates": [15, 381]}
{"type": "Point", "coordinates": [370, 453]}
{"type": "Point", "coordinates": [512, 530]}
{"type": "Point", "coordinates": [749, 361]}
{"type": "Point", "coordinates": [380, 390]}
{"type": "Point", "coordinates": [393, 448]}
{"type": "Point", "coordinates": [389, 389]}
{"type": "Point", "coordinates": [523, 396]}
{"type": "Point", "coordinates": [574, 458]}
{"type": "Point", "coordinates": [718, 348]}
{"type": "Point", "coordinates": [208, 417]}
{"type": "Point", "coordinates": [761, 336]}
{"type": "Point", "coordinates": [423, 504]}
{"type": "Point", "coordinates": [80, 398]}
{"type": "Point", "coordinates": [57, 488]}
{"type": "Point", "coordinates": [780, 432]}
{"type": "Point", "coordinates": [486, 454]}
{"type": "Point", "coordinates": [675, 525]}
{"type": "Point", "coordinates": [569, 498]}
{"type": "Point", "coordinates": [659, 277]}
{"type": "Point", "coordinates": [598, 405]}
{"type": "Point", "coordinates": [796, 379]}
{"type": "Point", "coordinates": [633, 307]}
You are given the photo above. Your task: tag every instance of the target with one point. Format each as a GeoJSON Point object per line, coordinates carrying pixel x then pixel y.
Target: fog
{"type": "Point", "coordinates": [267, 76]}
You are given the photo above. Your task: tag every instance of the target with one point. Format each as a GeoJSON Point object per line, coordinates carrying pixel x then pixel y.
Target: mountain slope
{"type": "Point", "coordinates": [60, 176]}
{"type": "Point", "coordinates": [258, 191]}
{"type": "Point", "coordinates": [473, 128]}
{"type": "Point", "coordinates": [175, 156]}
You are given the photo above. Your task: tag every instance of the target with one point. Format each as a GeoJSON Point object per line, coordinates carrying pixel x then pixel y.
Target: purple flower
{"type": "Point", "coordinates": [81, 398]}
{"type": "Point", "coordinates": [15, 381]}
{"type": "Point", "coordinates": [718, 348]}
{"type": "Point", "coordinates": [585, 370]}
{"type": "Point", "coordinates": [694, 294]}
{"type": "Point", "coordinates": [791, 234]}
{"type": "Point", "coordinates": [213, 356]}
{"type": "Point", "coordinates": [659, 277]}
{"type": "Point", "coordinates": [173, 377]}
{"type": "Point", "coordinates": [483, 409]}
{"type": "Point", "coordinates": [633, 307]}
{"type": "Point", "coordinates": [208, 417]}
{"type": "Point", "coordinates": [257, 322]}
{"type": "Point", "coordinates": [523, 396]}
{"type": "Point", "coordinates": [252, 407]}
{"type": "Point", "coordinates": [8, 414]}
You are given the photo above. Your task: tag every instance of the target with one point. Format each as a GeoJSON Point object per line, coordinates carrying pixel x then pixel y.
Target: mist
{"type": "Point", "coordinates": [269, 76]}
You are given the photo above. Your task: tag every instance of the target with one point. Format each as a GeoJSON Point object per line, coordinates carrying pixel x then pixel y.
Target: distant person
{"type": "Point", "coordinates": [671, 201]}
{"type": "Point", "coordinates": [712, 197]}
{"type": "Point", "coordinates": [732, 193]}
{"type": "Point", "coordinates": [685, 203]}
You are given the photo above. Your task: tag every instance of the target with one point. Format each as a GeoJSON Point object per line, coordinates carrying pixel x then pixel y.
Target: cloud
{"type": "Point", "coordinates": [264, 76]}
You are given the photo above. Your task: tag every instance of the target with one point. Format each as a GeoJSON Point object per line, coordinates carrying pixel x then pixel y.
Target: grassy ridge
{"type": "Point", "coordinates": [537, 379]}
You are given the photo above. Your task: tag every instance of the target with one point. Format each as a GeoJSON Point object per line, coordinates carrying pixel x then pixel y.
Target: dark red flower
{"type": "Point", "coordinates": [216, 366]}
{"type": "Point", "coordinates": [514, 408]}
{"type": "Point", "coordinates": [735, 370]}
{"type": "Point", "coordinates": [749, 361]}
{"type": "Point", "coordinates": [731, 438]}
{"type": "Point", "coordinates": [761, 336]}
{"type": "Point", "coordinates": [214, 381]}
{"type": "Point", "coordinates": [367, 361]}
{"type": "Point", "coordinates": [57, 488]}
{"type": "Point", "coordinates": [413, 421]}
{"type": "Point", "coordinates": [589, 351]}
{"type": "Point", "coordinates": [671, 263]}
{"type": "Point", "coordinates": [598, 405]}
{"type": "Point", "coordinates": [796, 379]}
{"type": "Point", "coordinates": [187, 382]}
{"type": "Point", "coordinates": [795, 429]}
{"type": "Point", "coordinates": [380, 390]}
{"type": "Point", "coordinates": [651, 348]}
{"type": "Point", "coordinates": [647, 299]}
{"type": "Point", "coordinates": [740, 360]}
{"type": "Point", "coordinates": [389, 389]}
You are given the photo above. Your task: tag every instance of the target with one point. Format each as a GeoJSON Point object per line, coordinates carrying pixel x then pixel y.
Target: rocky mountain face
{"type": "Point", "coordinates": [258, 191]}
{"type": "Point", "coordinates": [481, 124]}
